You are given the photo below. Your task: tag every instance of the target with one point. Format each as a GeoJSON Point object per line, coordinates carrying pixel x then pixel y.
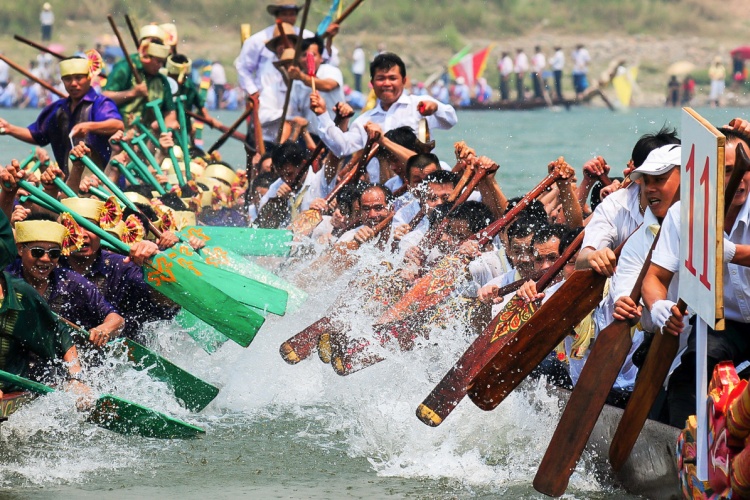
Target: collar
{"type": "Point", "coordinates": [403, 99]}
{"type": "Point", "coordinates": [10, 301]}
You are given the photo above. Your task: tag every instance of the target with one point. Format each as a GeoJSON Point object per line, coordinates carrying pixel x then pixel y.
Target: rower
{"type": "Point", "coordinates": [329, 82]}
{"type": "Point", "coordinates": [31, 339]}
{"type": "Point", "coordinates": [120, 279]}
{"type": "Point", "coordinates": [731, 344]}
{"type": "Point", "coordinates": [375, 204]}
{"type": "Point", "coordinates": [345, 215]}
{"type": "Point", "coordinates": [394, 109]}
{"type": "Point", "coordinates": [83, 116]}
{"type": "Point", "coordinates": [131, 98]}
{"type": "Point", "coordinates": [39, 240]}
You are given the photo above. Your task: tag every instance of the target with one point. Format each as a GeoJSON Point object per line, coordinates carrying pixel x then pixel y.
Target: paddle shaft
{"type": "Point", "coordinates": [297, 50]}
{"type": "Point", "coordinates": [588, 399]}
{"type": "Point", "coordinates": [220, 142]}
{"type": "Point", "coordinates": [27, 74]}
{"type": "Point", "coordinates": [461, 377]}
{"type": "Point", "coordinates": [141, 167]}
{"type": "Point", "coordinates": [260, 145]}
{"type": "Point", "coordinates": [121, 42]}
{"type": "Point", "coordinates": [39, 47]}
{"type": "Point", "coordinates": [125, 171]}
{"type": "Point", "coordinates": [369, 152]}
{"type": "Point", "coordinates": [154, 105]}
{"type": "Point", "coordinates": [653, 373]}
{"type": "Point", "coordinates": [300, 346]}
{"type": "Point", "coordinates": [131, 29]}
{"type": "Point", "coordinates": [346, 13]}
{"type": "Point", "coordinates": [214, 124]}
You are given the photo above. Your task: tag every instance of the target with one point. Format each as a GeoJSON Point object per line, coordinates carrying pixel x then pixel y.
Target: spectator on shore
{"type": "Point", "coordinates": [461, 93]}
{"type": "Point", "coordinates": [673, 92]}
{"type": "Point", "coordinates": [505, 68]}
{"type": "Point", "coordinates": [538, 63]}
{"type": "Point", "coordinates": [358, 66]}
{"type": "Point", "coordinates": [688, 90]}
{"type": "Point", "coordinates": [581, 59]}
{"type": "Point", "coordinates": [4, 73]}
{"type": "Point", "coordinates": [482, 91]}
{"type": "Point", "coordinates": [717, 73]}
{"type": "Point", "coordinates": [520, 68]}
{"type": "Point", "coordinates": [557, 62]}
{"type": "Point", "coordinates": [46, 19]}
{"type": "Point", "coordinates": [354, 98]}
{"type": "Point", "coordinates": [218, 80]}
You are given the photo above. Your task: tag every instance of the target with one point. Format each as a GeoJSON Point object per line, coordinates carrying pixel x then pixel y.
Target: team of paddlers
{"type": "Point", "coordinates": [570, 259]}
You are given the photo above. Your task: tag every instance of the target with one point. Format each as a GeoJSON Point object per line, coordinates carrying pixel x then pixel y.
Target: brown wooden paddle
{"type": "Point", "coordinates": [297, 50]}
{"type": "Point", "coordinates": [39, 47]}
{"type": "Point", "coordinates": [587, 400]}
{"type": "Point", "coordinates": [463, 375]}
{"type": "Point", "coordinates": [121, 42]}
{"type": "Point", "coordinates": [228, 133]}
{"type": "Point", "coordinates": [131, 29]}
{"type": "Point", "coordinates": [260, 145]}
{"type": "Point", "coordinates": [436, 285]}
{"type": "Point", "coordinates": [27, 74]}
{"type": "Point", "coordinates": [345, 14]}
{"type": "Point", "coordinates": [653, 373]}
{"type": "Point", "coordinates": [215, 124]}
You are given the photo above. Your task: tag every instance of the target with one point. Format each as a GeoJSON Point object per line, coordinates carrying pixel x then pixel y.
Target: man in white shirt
{"type": "Point", "coordinates": [505, 68]}
{"type": "Point", "coordinates": [520, 68]}
{"type": "Point", "coordinates": [218, 80]}
{"type": "Point", "coordinates": [581, 59]}
{"type": "Point", "coordinates": [538, 63]}
{"type": "Point", "coordinates": [393, 109]}
{"type": "Point", "coordinates": [329, 82]}
{"type": "Point", "coordinates": [358, 66]}
{"type": "Point", "coordinates": [4, 72]}
{"type": "Point", "coordinates": [557, 63]}
{"type": "Point", "coordinates": [733, 344]}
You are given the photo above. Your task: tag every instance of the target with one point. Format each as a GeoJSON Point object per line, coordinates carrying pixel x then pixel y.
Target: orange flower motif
{"type": "Point", "coordinates": [74, 237]}
{"type": "Point", "coordinates": [110, 214]}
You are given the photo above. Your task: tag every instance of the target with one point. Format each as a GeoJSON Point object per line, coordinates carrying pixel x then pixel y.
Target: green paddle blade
{"type": "Point", "coordinates": [236, 262]}
{"type": "Point", "coordinates": [207, 337]}
{"type": "Point", "coordinates": [192, 391]}
{"type": "Point", "coordinates": [24, 383]}
{"type": "Point", "coordinates": [244, 240]}
{"type": "Point", "coordinates": [125, 417]}
{"type": "Point", "coordinates": [175, 279]}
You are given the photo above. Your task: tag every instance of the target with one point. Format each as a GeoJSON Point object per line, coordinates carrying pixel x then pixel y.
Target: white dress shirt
{"type": "Point", "coordinates": [614, 219]}
{"type": "Point", "coordinates": [557, 62]}
{"type": "Point", "coordinates": [299, 104]}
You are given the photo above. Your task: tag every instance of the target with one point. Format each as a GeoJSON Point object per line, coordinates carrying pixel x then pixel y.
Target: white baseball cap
{"type": "Point", "coordinates": [659, 161]}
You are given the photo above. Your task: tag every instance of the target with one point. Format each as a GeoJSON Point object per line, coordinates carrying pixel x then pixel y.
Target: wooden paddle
{"type": "Point", "coordinates": [297, 50]}
{"type": "Point", "coordinates": [436, 285]}
{"type": "Point", "coordinates": [179, 280]}
{"type": "Point", "coordinates": [215, 124]}
{"type": "Point", "coordinates": [464, 374]}
{"type": "Point", "coordinates": [121, 42]}
{"type": "Point", "coordinates": [119, 415]}
{"type": "Point", "coordinates": [30, 76]}
{"type": "Point", "coordinates": [221, 140]}
{"type": "Point", "coordinates": [589, 395]}
{"type": "Point", "coordinates": [131, 29]}
{"type": "Point", "coordinates": [653, 373]}
{"type": "Point", "coordinates": [345, 14]}
{"type": "Point", "coordinates": [194, 393]}
{"type": "Point", "coordinates": [39, 47]}
{"type": "Point", "coordinates": [308, 220]}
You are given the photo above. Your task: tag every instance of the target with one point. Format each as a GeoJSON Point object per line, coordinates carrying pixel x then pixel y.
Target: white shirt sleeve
{"type": "Point", "coordinates": [342, 143]}
{"type": "Point", "coordinates": [667, 251]}
{"type": "Point", "coordinates": [248, 62]}
{"type": "Point", "coordinates": [444, 118]}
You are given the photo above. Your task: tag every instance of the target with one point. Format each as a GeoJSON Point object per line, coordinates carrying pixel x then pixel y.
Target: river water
{"type": "Point", "coordinates": [281, 431]}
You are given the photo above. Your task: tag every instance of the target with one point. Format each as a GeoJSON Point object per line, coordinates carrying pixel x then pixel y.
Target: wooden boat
{"type": "Point", "coordinates": [651, 470]}
{"type": "Point", "coordinates": [11, 401]}
{"type": "Point", "coordinates": [513, 105]}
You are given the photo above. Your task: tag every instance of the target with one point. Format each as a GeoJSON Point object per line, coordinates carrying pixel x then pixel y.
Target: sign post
{"type": "Point", "coordinates": [701, 248]}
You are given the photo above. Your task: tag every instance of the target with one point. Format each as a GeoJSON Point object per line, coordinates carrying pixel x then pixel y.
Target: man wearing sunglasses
{"type": "Point", "coordinates": [39, 242]}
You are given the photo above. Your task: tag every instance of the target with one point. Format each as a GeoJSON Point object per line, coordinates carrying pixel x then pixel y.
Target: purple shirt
{"type": "Point", "coordinates": [72, 296]}
{"type": "Point", "coordinates": [122, 284]}
{"type": "Point", "coordinates": [54, 123]}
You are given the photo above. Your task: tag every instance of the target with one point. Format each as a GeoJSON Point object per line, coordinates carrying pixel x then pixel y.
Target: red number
{"type": "Point", "coordinates": [704, 183]}
{"type": "Point", "coordinates": [690, 169]}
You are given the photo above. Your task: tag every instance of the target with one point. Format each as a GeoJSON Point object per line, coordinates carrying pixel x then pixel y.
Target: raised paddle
{"type": "Point", "coordinates": [39, 47]}
{"type": "Point", "coordinates": [30, 76]}
{"type": "Point", "coordinates": [119, 415]}
{"type": "Point", "coordinates": [179, 280]}
{"type": "Point", "coordinates": [132, 178]}
{"type": "Point", "coordinates": [297, 50]}
{"type": "Point", "coordinates": [121, 42]}
{"type": "Point", "coordinates": [244, 240]}
{"type": "Point", "coordinates": [463, 375]}
{"type": "Point", "coordinates": [436, 285]}
{"type": "Point", "coordinates": [345, 14]}
{"type": "Point", "coordinates": [215, 124]}
{"type": "Point", "coordinates": [653, 373]}
{"type": "Point", "coordinates": [182, 134]}
{"type": "Point", "coordinates": [131, 29]}
{"type": "Point", "coordinates": [587, 400]}
{"type": "Point", "coordinates": [221, 140]}
{"type": "Point", "coordinates": [308, 220]}
{"type": "Point", "coordinates": [154, 105]}
{"type": "Point", "coordinates": [192, 391]}
{"type": "Point", "coordinates": [141, 168]}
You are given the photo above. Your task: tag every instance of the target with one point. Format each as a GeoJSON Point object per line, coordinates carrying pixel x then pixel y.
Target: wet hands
{"type": "Point", "coordinates": [627, 310]}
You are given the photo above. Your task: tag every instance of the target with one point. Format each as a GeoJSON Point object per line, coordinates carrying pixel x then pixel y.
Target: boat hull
{"type": "Point", "coordinates": [11, 401]}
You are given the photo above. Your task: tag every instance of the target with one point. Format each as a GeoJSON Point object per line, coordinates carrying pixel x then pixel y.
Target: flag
{"type": "Point", "coordinates": [323, 26]}
{"type": "Point", "coordinates": [469, 65]}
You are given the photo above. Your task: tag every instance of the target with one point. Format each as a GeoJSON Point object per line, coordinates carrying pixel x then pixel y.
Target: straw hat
{"type": "Point", "coordinates": [222, 173]}
{"type": "Point", "coordinates": [74, 66]}
{"type": "Point", "coordinates": [88, 208]}
{"type": "Point", "coordinates": [40, 230]}
{"type": "Point", "coordinates": [273, 43]}
{"type": "Point", "coordinates": [152, 31]}
{"type": "Point", "coordinates": [279, 5]}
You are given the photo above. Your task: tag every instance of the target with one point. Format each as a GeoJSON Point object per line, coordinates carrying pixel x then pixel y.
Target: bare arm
{"type": "Point", "coordinates": [655, 284]}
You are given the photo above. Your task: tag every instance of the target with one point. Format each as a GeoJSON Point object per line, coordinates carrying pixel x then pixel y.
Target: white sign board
{"type": "Point", "coordinates": [702, 218]}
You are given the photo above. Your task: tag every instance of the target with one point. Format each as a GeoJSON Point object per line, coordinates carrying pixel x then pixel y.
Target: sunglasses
{"type": "Point", "coordinates": [38, 252]}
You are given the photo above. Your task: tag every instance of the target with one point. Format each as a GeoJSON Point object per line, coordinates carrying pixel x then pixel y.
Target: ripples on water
{"type": "Point", "coordinates": [303, 431]}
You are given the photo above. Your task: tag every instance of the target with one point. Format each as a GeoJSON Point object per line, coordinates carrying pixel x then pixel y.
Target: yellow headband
{"type": "Point", "coordinates": [137, 198]}
{"type": "Point", "coordinates": [221, 172]}
{"type": "Point", "coordinates": [157, 50]}
{"type": "Point", "coordinates": [40, 230]}
{"type": "Point", "coordinates": [180, 69]}
{"type": "Point", "coordinates": [74, 66]}
{"type": "Point", "coordinates": [85, 207]}
{"type": "Point", "coordinates": [152, 31]}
